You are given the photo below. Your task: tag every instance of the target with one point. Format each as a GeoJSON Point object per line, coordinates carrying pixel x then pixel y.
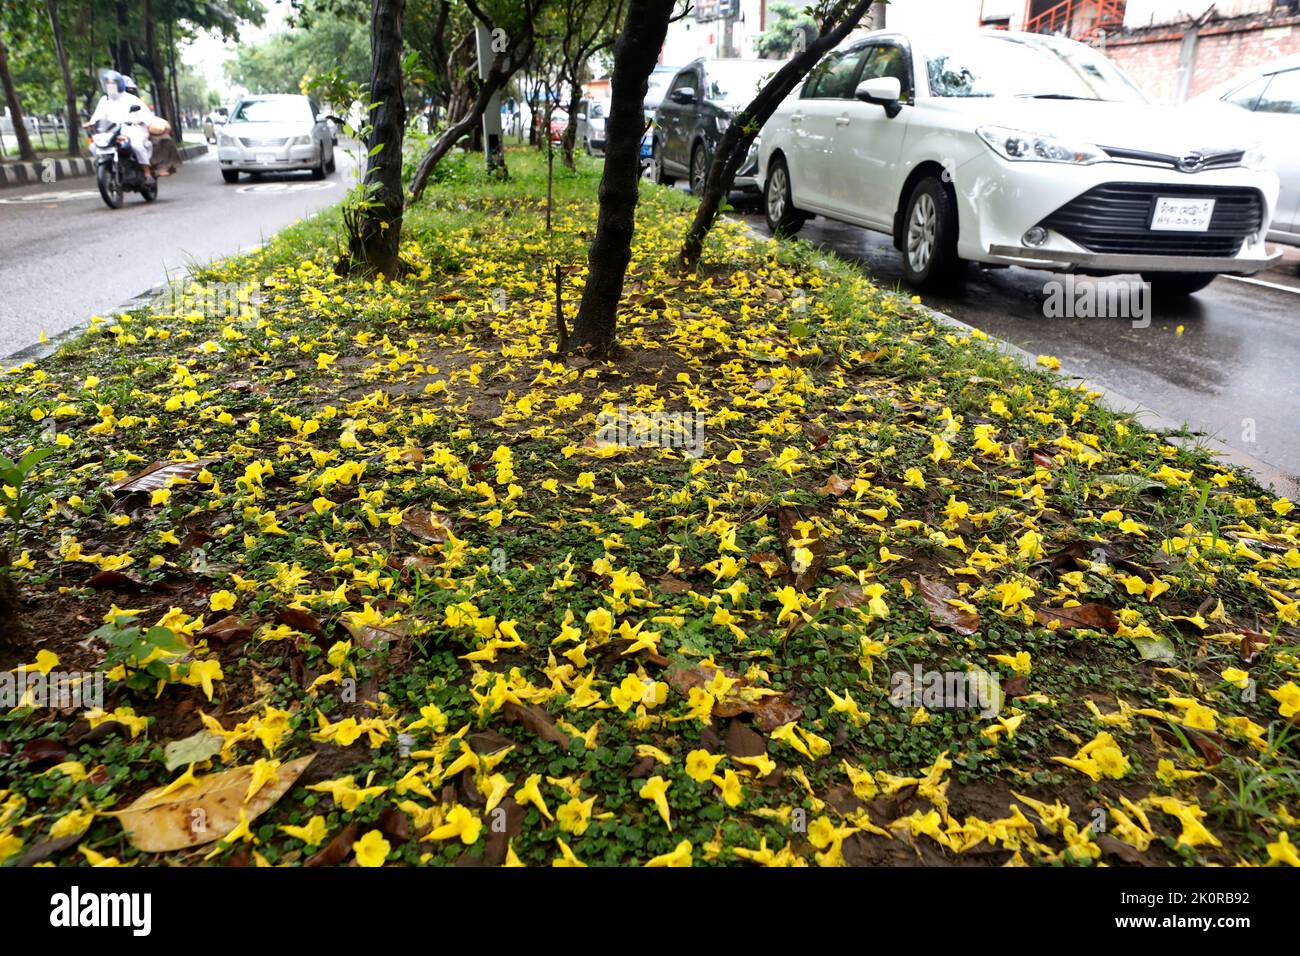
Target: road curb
{"type": "Point", "coordinates": [40, 350]}
{"type": "Point", "coordinates": [1279, 482]}
{"type": "Point", "coordinates": [53, 170]}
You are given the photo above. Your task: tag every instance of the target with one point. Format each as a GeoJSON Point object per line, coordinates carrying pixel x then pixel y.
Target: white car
{"type": "Point", "coordinates": [1269, 96]}
{"type": "Point", "coordinates": [1015, 149]}
{"type": "Point", "coordinates": [275, 133]}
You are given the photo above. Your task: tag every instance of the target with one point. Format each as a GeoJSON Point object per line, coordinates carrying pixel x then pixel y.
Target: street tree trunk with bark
{"type": "Point", "coordinates": [69, 91]}
{"type": "Point", "coordinates": [635, 55]}
{"type": "Point", "coordinates": [376, 235]}
{"type": "Point", "coordinates": [163, 104]}
{"type": "Point", "coordinates": [837, 18]}
{"type": "Point", "coordinates": [25, 150]}
{"type": "Point", "coordinates": [505, 64]}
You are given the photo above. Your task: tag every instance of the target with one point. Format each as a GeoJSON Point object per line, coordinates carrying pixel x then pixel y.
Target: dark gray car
{"type": "Point", "coordinates": [701, 101]}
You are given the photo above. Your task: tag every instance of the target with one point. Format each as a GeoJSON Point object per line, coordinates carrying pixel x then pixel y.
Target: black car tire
{"type": "Point", "coordinates": [929, 249]}
{"type": "Point", "coordinates": [657, 173]}
{"type": "Point", "coordinates": [230, 175]}
{"type": "Point", "coordinates": [699, 169]}
{"type": "Point", "coordinates": [1177, 285]}
{"type": "Point", "coordinates": [783, 219]}
{"type": "Point", "coordinates": [332, 164]}
{"type": "Point", "coordinates": [318, 171]}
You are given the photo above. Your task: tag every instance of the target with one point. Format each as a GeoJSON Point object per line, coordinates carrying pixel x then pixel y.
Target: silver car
{"type": "Point", "coordinates": [1270, 93]}
{"type": "Point", "coordinates": [275, 133]}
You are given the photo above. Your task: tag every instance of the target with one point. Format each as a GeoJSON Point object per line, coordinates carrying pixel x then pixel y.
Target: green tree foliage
{"type": "Point", "coordinates": [787, 22]}
{"type": "Point", "coordinates": [281, 63]}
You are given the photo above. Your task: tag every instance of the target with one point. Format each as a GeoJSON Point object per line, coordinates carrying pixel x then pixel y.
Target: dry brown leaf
{"type": "Point", "coordinates": [835, 485]}
{"type": "Point", "coordinates": [769, 708]}
{"type": "Point", "coordinates": [936, 595]}
{"type": "Point", "coordinates": [157, 475]}
{"type": "Point", "coordinates": [1093, 617]}
{"type": "Point", "coordinates": [203, 812]}
{"type": "Point", "coordinates": [424, 526]}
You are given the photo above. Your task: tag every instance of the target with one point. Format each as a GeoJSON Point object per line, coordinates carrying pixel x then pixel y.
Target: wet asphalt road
{"type": "Point", "coordinates": [1232, 373]}
{"type": "Point", "coordinates": [65, 256]}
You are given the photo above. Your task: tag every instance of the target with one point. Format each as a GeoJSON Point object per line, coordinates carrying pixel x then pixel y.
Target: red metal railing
{"type": "Point", "coordinates": [1079, 19]}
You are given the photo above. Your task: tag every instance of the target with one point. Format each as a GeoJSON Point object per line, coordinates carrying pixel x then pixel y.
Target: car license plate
{"type": "Point", "coordinates": [266, 158]}
{"type": "Point", "coordinates": [1177, 214]}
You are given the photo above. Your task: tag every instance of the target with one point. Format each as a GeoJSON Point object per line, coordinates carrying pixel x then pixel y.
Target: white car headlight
{"type": "Point", "coordinates": [224, 139]}
{"type": "Point", "coordinates": [1257, 157]}
{"type": "Point", "coordinates": [723, 122]}
{"type": "Point", "coordinates": [300, 141]}
{"type": "Point", "coordinates": [1021, 146]}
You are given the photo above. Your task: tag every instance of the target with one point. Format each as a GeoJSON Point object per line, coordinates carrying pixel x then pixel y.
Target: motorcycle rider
{"type": "Point", "coordinates": [115, 107]}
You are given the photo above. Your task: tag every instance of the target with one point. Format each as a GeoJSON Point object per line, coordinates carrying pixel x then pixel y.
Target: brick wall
{"type": "Point", "coordinates": [1224, 49]}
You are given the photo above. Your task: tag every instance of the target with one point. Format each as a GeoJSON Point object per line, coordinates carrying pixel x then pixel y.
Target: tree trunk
{"type": "Point", "coordinates": [157, 68]}
{"type": "Point", "coordinates": [123, 61]}
{"type": "Point", "coordinates": [570, 140]}
{"type": "Point", "coordinates": [735, 143]}
{"type": "Point", "coordinates": [635, 56]}
{"type": "Point", "coordinates": [25, 150]}
{"type": "Point", "coordinates": [69, 92]}
{"type": "Point", "coordinates": [503, 68]}
{"type": "Point", "coordinates": [379, 228]}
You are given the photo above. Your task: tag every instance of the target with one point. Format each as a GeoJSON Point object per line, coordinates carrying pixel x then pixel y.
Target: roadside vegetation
{"type": "Point", "coordinates": [374, 580]}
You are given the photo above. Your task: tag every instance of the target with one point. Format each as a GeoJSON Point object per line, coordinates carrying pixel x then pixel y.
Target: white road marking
{"type": "Point", "coordinates": [284, 187]}
{"type": "Point", "coordinates": [1266, 285]}
{"type": "Point", "coordinates": [50, 197]}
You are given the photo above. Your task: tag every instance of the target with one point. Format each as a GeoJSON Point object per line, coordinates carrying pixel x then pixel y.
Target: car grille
{"type": "Point", "coordinates": [1115, 218]}
{"type": "Point", "coordinates": [1194, 162]}
{"type": "Point", "coordinates": [263, 142]}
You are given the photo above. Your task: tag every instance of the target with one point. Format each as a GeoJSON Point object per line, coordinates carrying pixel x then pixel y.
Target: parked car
{"type": "Point", "coordinates": [701, 100]}
{"type": "Point", "coordinates": [275, 133]}
{"type": "Point", "coordinates": [1015, 149]}
{"type": "Point", "coordinates": [213, 122]}
{"type": "Point", "coordinates": [590, 133]}
{"type": "Point", "coordinates": [656, 87]}
{"type": "Point", "coordinates": [1269, 96]}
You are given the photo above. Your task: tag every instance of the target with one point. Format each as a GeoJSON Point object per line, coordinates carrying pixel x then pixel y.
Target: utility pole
{"type": "Point", "coordinates": [493, 147]}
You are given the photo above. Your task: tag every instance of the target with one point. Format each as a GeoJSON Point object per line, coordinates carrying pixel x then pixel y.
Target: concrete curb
{"type": "Point", "coordinates": [1279, 482]}
{"type": "Point", "coordinates": [40, 350]}
{"type": "Point", "coordinates": [52, 170]}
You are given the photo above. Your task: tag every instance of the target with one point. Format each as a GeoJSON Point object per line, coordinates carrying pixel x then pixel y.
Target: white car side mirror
{"type": "Point", "coordinates": [883, 91]}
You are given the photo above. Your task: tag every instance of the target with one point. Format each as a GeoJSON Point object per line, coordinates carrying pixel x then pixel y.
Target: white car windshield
{"type": "Point", "coordinates": [738, 83]}
{"type": "Point", "coordinates": [1011, 66]}
{"type": "Point", "coordinates": [657, 86]}
{"type": "Point", "coordinates": [272, 111]}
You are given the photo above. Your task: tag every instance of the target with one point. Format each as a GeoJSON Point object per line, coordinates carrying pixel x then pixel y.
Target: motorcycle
{"type": "Point", "coordinates": [116, 169]}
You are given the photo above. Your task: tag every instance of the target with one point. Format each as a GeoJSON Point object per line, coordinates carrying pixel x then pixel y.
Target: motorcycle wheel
{"type": "Point", "coordinates": [150, 191]}
{"type": "Point", "coordinates": [110, 185]}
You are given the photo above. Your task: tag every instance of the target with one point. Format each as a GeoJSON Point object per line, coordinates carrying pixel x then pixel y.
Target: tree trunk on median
{"type": "Point", "coordinates": [836, 23]}
{"type": "Point", "coordinates": [25, 150]}
{"type": "Point", "coordinates": [69, 91]}
{"type": "Point", "coordinates": [378, 233]}
{"type": "Point", "coordinates": [635, 56]}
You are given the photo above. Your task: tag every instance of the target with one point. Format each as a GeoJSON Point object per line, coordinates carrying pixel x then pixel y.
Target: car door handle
{"type": "Point", "coordinates": [842, 121]}
{"type": "Point", "coordinates": [796, 117]}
